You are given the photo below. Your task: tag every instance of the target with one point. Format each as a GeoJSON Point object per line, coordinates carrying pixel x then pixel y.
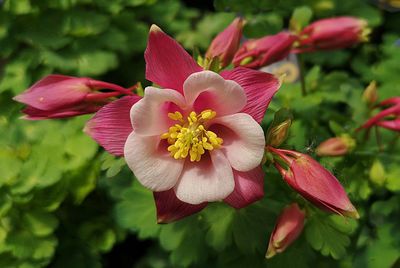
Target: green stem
{"type": "Point", "coordinates": [378, 139]}
{"type": "Point", "coordinates": [393, 142]}
{"type": "Point", "coordinates": [302, 75]}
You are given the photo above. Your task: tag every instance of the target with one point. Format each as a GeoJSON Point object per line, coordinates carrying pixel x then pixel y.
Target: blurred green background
{"type": "Point", "coordinates": [64, 202]}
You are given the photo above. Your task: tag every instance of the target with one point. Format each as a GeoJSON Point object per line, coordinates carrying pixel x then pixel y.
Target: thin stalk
{"type": "Point", "coordinates": [302, 75]}
{"type": "Point", "coordinates": [378, 139]}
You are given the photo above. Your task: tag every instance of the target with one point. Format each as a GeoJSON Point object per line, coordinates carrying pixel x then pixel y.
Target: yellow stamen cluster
{"type": "Point", "coordinates": [189, 137]}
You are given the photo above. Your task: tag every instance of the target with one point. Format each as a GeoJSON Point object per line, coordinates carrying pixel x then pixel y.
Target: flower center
{"type": "Point", "coordinates": [189, 137]}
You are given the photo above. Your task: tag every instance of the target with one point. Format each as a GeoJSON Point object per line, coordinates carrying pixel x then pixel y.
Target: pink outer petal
{"type": "Point", "coordinates": [149, 116]}
{"type": "Point", "coordinates": [167, 63]}
{"type": "Point", "coordinates": [249, 188]}
{"type": "Point", "coordinates": [393, 100]}
{"type": "Point", "coordinates": [244, 140]}
{"type": "Point", "coordinates": [381, 115]}
{"type": "Point", "coordinates": [259, 87]}
{"type": "Point", "coordinates": [208, 90]}
{"type": "Point", "coordinates": [111, 125]}
{"type": "Point", "coordinates": [151, 163]}
{"type": "Point", "coordinates": [55, 91]}
{"type": "Point", "coordinates": [170, 208]}
{"type": "Point", "coordinates": [390, 124]}
{"type": "Point", "coordinates": [209, 180]}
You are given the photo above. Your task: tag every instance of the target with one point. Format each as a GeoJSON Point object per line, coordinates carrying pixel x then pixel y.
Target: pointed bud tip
{"type": "Point", "coordinates": [353, 214]}
{"type": "Point", "coordinates": [154, 29]}
{"type": "Point", "coordinates": [163, 220]}
{"type": "Point", "coordinates": [270, 253]}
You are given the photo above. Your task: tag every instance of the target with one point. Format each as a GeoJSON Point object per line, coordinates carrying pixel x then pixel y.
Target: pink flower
{"type": "Point", "coordinates": [388, 118]}
{"type": "Point", "coordinates": [261, 52]}
{"type": "Point", "coordinates": [195, 140]}
{"type": "Point", "coordinates": [287, 228]}
{"type": "Point", "coordinates": [333, 33]}
{"type": "Point", "coordinates": [226, 43]}
{"type": "Point", "coordinates": [314, 182]}
{"type": "Point", "coordinates": [58, 96]}
{"type": "Point", "coordinates": [336, 146]}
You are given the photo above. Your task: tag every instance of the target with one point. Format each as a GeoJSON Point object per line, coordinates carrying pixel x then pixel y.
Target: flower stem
{"type": "Point", "coordinates": [302, 75]}
{"type": "Point", "coordinates": [378, 139]}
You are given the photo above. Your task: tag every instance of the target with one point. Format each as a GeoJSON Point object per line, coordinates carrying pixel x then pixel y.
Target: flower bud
{"type": "Point", "coordinates": [226, 43]}
{"type": "Point", "coordinates": [313, 182]}
{"type": "Point", "coordinates": [336, 146]}
{"type": "Point", "coordinates": [264, 51]}
{"type": "Point", "coordinates": [278, 134]}
{"type": "Point", "coordinates": [287, 228]}
{"type": "Point", "coordinates": [370, 95]}
{"type": "Point", "coordinates": [333, 33]}
{"type": "Point", "coordinates": [58, 96]}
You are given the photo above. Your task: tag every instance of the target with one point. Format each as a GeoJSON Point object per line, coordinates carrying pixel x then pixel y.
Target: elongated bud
{"type": "Point", "coordinates": [58, 96]}
{"type": "Point", "coordinates": [226, 43]}
{"type": "Point", "coordinates": [336, 146]}
{"type": "Point", "coordinates": [287, 228]}
{"type": "Point", "coordinates": [313, 182]}
{"type": "Point", "coordinates": [370, 95]}
{"type": "Point", "coordinates": [333, 33]}
{"type": "Point", "coordinates": [264, 51]}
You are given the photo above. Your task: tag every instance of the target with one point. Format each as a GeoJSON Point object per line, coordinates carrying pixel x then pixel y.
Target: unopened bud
{"type": "Point", "coordinates": [287, 228]}
{"type": "Point", "coordinates": [370, 95]}
{"type": "Point", "coordinates": [336, 146]}
{"type": "Point", "coordinates": [278, 134]}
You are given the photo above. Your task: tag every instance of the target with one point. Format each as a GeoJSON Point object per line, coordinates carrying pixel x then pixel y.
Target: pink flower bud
{"type": "Point", "coordinates": [336, 146]}
{"type": "Point", "coordinates": [333, 33]}
{"type": "Point", "coordinates": [58, 96]}
{"type": "Point", "coordinates": [313, 182]}
{"type": "Point", "coordinates": [226, 43]}
{"type": "Point", "coordinates": [388, 118]}
{"type": "Point", "coordinates": [287, 228]}
{"type": "Point", "coordinates": [264, 51]}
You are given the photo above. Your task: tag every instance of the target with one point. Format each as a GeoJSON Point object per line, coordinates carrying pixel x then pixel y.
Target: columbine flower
{"type": "Point", "coordinates": [58, 96]}
{"type": "Point", "coordinates": [261, 52]}
{"type": "Point", "coordinates": [226, 43]}
{"type": "Point", "coordinates": [336, 146]}
{"type": "Point", "coordinates": [313, 182]}
{"type": "Point", "coordinates": [388, 118]}
{"type": "Point", "coordinates": [333, 33]}
{"type": "Point", "coordinates": [196, 139]}
{"type": "Point", "coordinates": [287, 228]}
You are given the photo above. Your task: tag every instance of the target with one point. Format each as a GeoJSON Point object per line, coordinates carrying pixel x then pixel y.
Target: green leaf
{"type": "Point", "coordinates": [136, 211]}
{"type": "Point", "coordinates": [377, 173]}
{"type": "Point", "coordinates": [329, 234]}
{"type": "Point", "coordinates": [219, 235]}
{"type": "Point", "coordinates": [40, 223]}
{"type": "Point", "coordinates": [301, 17]}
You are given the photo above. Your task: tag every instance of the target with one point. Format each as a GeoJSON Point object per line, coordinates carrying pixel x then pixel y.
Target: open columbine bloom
{"type": "Point", "coordinates": [197, 138]}
{"type": "Point", "coordinates": [192, 142]}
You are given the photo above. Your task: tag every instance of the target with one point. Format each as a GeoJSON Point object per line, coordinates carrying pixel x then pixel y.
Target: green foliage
{"type": "Point", "coordinates": [66, 203]}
